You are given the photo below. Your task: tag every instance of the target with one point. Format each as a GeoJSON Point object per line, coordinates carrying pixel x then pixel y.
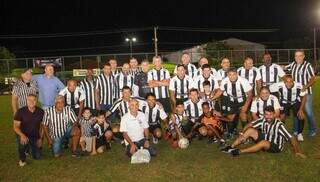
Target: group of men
{"type": "Point", "coordinates": [191, 102]}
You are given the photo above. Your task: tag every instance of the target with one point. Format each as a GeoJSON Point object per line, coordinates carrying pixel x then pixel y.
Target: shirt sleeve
{"type": "Point", "coordinates": [171, 85]}
{"type": "Point", "coordinates": [284, 132]}
{"type": "Point", "coordinates": [82, 95]}
{"type": "Point", "coordinates": [254, 108]}
{"type": "Point", "coordinates": [163, 114]}
{"type": "Point", "coordinates": [246, 85]}
{"type": "Point", "coordinates": [257, 124]}
{"type": "Point", "coordinates": [150, 75]}
{"type": "Point", "coordinates": [281, 72]}
{"type": "Point", "coordinates": [18, 116]}
{"type": "Point", "coordinates": [62, 92]}
{"type": "Point", "coordinates": [274, 87]}
{"type": "Point", "coordinates": [72, 115]}
{"type": "Point", "coordinates": [145, 124]}
{"type": "Point", "coordinates": [310, 71]}
{"type": "Point", "coordinates": [276, 103]}
{"type": "Point", "coordinates": [223, 82]}
{"type": "Point", "coordinates": [45, 119]}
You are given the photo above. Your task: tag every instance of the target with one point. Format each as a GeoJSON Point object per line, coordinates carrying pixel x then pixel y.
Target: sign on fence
{"type": "Point", "coordinates": [83, 72]}
{"type": "Point", "coordinates": [56, 62]}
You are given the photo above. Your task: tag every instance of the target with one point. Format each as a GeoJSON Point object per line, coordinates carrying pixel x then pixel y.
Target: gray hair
{"type": "Point", "coordinates": [58, 97]}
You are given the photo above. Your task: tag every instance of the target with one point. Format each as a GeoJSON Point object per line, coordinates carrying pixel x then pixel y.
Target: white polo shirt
{"type": "Point", "coordinates": [134, 126]}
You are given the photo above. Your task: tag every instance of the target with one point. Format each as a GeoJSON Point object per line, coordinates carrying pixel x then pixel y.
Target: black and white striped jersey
{"type": "Point", "coordinates": [107, 88]}
{"type": "Point", "coordinates": [88, 88]}
{"type": "Point", "coordinates": [236, 91]}
{"type": "Point", "coordinates": [161, 92]}
{"type": "Point", "coordinates": [193, 110]}
{"type": "Point", "coordinates": [191, 70]}
{"type": "Point", "coordinates": [270, 74]}
{"type": "Point", "coordinates": [258, 105]}
{"type": "Point", "coordinates": [86, 126]}
{"type": "Point", "coordinates": [116, 72]}
{"type": "Point", "coordinates": [58, 122]}
{"type": "Point", "coordinates": [73, 99]}
{"type": "Point", "coordinates": [198, 82]}
{"type": "Point", "coordinates": [274, 131]}
{"type": "Point", "coordinates": [22, 90]}
{"type": "Point", "coordinates": [288, 95]}
{"type": "Point", "coordinates": [123, 106]}
{"type": "Point", "coordinates": [176, 121]}
{"type": "Point", "coordinates": [302, 73]}
{"type": "Point", "coordinates": [206, 98]}
{"type": "Point", "coordinates": [252, 75]}
{"type": "Point", "coordinates": [180, 87]}
{"type": "Point", "coordinates": [213, 72]}
{"type": "Point", "coordinates": [222, 73]}
{"type": "Point", "coordinates": [123, 80]}
{"type": "Point", "coordinates": [133, 73]}
{"type": "Point", "coordinates": [154, 115]}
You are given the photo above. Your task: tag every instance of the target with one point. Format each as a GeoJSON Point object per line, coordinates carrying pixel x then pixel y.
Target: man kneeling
{"type": "Point", "coordinates": [269, 134]}
{"type": "Point", "coordinates": [135, 129]}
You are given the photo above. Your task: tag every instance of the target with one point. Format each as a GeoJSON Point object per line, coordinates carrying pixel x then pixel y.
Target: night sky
{"type": "Point", "coordinates": [292, 18]}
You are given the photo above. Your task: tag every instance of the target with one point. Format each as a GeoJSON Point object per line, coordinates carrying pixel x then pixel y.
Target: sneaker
{"type": "Point", "coordinates": [155, 140]}
{"type": "Point", "coordinates": [313, 134]}
{"type": "Point", "coordinates": [76, 154]}
{"type": "Point", "coordinates": [222, 144]}
{"type": "Point", "coordinates": [300, 137]}
{"type": "Point", "coordinates": [235, 152]}
{"type": "Point", "coordinates": [227, 149]}
{"type": "Point", "coordinates": [22, 163]}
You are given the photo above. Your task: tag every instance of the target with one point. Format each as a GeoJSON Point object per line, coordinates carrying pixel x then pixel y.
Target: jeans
{"type": "Point", "coordinates": [57, 142]}
{"type": "Point", "coordinates": [310, 115]}
{"type": "Point", "coordinates": [140, 144]}
{"type": "Point", "coordinates": [32, 144]}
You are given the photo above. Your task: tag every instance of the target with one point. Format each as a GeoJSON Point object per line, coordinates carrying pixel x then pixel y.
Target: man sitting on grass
{"type": "Point", "coordinates": [269, 134]}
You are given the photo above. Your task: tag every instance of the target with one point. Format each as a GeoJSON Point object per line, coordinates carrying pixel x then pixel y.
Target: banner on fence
{"type": "Point", "coordinates": [83, 72]}
{"type": "Point", "coordinates": [56, 62]}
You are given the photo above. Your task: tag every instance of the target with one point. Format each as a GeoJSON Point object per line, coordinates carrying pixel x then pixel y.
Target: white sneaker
{"type": "Point", "coordinates": [300, 137]}
{"type": "Point", "coordinates": [155, 140]}
{"type": "Point", "coordinates": [21, 163]}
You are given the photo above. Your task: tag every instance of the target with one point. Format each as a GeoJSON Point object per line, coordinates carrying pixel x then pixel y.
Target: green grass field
{"type": "Point", "coordinates": [200, 162]}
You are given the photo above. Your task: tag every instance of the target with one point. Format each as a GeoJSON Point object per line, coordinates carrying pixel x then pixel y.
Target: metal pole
{"type": "Point", "coordinates": [130, 48]}
{"type": "Point", "coordinates": [315, 49]}
{"type": "Point", "coordinates": [155, 39]}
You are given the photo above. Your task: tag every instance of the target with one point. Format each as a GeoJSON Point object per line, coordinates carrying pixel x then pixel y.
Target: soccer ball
{"type": "Point", "coordinates": [183, 143]}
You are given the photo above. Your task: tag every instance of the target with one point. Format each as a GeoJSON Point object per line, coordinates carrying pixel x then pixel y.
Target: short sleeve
{"type": "Point", "coordinates": [280, 70]}
{"type": "Point", "coordinates": [145, 124]}
{"type": "Point", "coordinates": [72, 115]}
{"type": "Point", "coordinates": [246, 85]}
{"type": "Point", "coordinates": [123, 125]}
{"type": "Point", "coordinates": [276, 103]}
{"type": "Point", "coordinates": [254, 108]}
{"type": "Point", "coordinates": [150, 75]}
{"type": "Point", "coordinates": [45, 119]}
{"type": "Point", "coordinates": [223, 83]}
{"type": "Point", "coordinates": [310, 71]}
{"type": "Point", "coordinates": [82, 95]}
{"type": "Point", "coordinates": [63, 92]}
{"type": "Point", "coordinates": [163, 114]}
{"type": "Point", "coordinates": [284, 132]}
{"type": "Point", "coordinates": [274, 87]}
{"type": "Point", "coordinates": [18, 116]}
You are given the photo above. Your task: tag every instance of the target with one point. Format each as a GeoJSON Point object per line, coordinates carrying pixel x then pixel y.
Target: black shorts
{"type": "Point", "coordinates": [286, 108]}
{"type": "Point", "coordinates": [274, 148]}
{"type": "Point", "coordinates": [154, 127]}
{"type": "Point", "coordinates": [229, 107]}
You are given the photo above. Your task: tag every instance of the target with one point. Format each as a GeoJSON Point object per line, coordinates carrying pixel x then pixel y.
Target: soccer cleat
{"type": "Point", "coordinates": [300, 137]}
{"type": "Point", "coordinates": [227, 149]}
{"type": "Point", "coordinates": [235, 152]}
{"type": "Point", "coordinates": [22, 163]}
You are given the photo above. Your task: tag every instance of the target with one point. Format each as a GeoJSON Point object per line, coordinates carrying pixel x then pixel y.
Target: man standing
{"type": "Point", "coordinates": [88, 87]}
{"type": "Point", "coordinates": [302, 72]}
{"type": "Point", "coordinates": [191, 69]}
{"type": "Point", "coordinates": [74, 97]}
{"type": "Point", "coordinates": [203, 61]}
{"type": "Point", "coordinates": [59, 125]}
{"type": "Point", "coordinates": [251, 73]}
{"type": "Point", "coordinates": [105, 89]}
{"type": "Point", "coordinates": [158, 80]}
{"type": "Point", "coordinates": [205, 75]}
{"type": "Point", "coordinates": [49, 86]}
{"type": "Point", "coordinates": [134, 69]}
{"type": "Point", "coordinates": [225, 66]}
{"type": "Point", "coordinates": [134, 127]}
{"type": "Point", "coordinates": [26, 125]}
{"type": "Point", "coordinates": [114, 67]}
{"type": "Point", "coordinates": [124, 79]}
{"type": "Point", "coordinates": [141, 79]}
{"type": "Point", "coordinates": [270, 72]}
{"type": "Point", "coordinates": [21, 89]}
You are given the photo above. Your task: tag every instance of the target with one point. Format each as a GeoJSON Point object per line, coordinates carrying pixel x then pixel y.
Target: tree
{"type": "Point", "coordinates": [5, 55]}
{"type": "Point", "coordinates": [212, 51]}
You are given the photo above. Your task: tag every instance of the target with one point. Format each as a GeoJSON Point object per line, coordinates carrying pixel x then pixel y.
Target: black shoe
{"type": "Point", "coordinates": [75, 154]}
{"type": "Point", "coordinates": [227, 149]}
{"type": "Point", "coordinates": [235, 152]}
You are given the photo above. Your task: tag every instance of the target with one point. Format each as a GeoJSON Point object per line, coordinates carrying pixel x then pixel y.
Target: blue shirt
{"type": "Point", "coordinates": [49, 88]}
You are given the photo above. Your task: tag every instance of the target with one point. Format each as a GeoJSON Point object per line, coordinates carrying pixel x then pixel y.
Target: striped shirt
{"type": "Point", "coordinates": [22, 90]}
{"type": "Point", "coordinates": [86, 126]}
{"type": "Point", "coordinates": [178, 122]}
{"type": "Point", "coordinates": [88, 89]}
{"type": "Point", "coordinates": [107, 88]}
{"type": "Point", "coordinates": [206, 98]}
{"type": "Point", "coordinates": [270, 74]}
{"type": "Point", "coordinates": [123, 106]}
{"type": "Point", "coordinates": [180, 87]}
{"type": "Point", "coordinates": [274, 131]}
{"type": "Point", "coordinates": [116, 72]}
{"type": "Point", "coordinates": [121, 81]}
{"type": "Point", "coordinates": [302, 73]}
{"type": "Point", "coordinates": [193, 110]}
{"type": "Point", "coordinates": [190, 69]}
{"type": "Point", "coordinates": [73, 99]}
{"type": "Point", "coordinates": [222, 73]}
{"type": "Point", "coordinates": [288, 95]}
{"type": "Point", "coordinates": [198, 82]}
{"type": "Point", "coordinates": [154, 114]}
{"type": "Point", "coordinates": [252, 75]}
{"type": "Point", "coordinates": [235, 91]}
{"type": "Point", "coordinates": [258, 105]}
{"type": "Point", "coordinates": [133, 73]}
{"type": "Point", "coordinates": [58, 122]}
{"type": "Point", "coordinates": [161, 92]}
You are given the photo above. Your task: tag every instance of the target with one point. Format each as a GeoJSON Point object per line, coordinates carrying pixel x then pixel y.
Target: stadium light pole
{"type": "Point", "coordinates": [131, 41]}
